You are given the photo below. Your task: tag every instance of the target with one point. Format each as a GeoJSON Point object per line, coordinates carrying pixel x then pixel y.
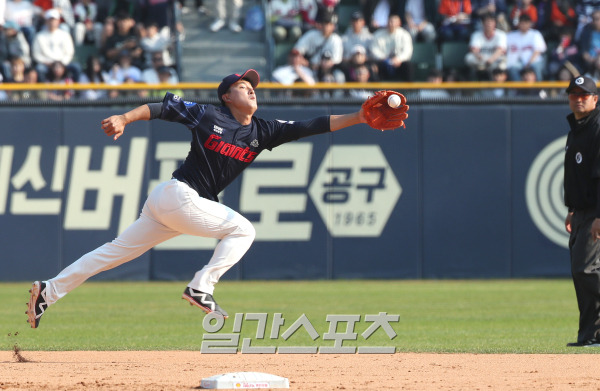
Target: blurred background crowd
{"type": "Point", "coordinates": [339, 41]}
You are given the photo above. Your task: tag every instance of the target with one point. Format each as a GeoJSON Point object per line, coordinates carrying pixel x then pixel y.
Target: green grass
{"type": "Point", "coordinates": [481, 316]}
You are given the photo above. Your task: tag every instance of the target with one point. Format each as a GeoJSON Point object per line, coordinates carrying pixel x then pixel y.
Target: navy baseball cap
{"type": "Point", "coordinates": [585, 83]}
{"type": "Point", "coordinates": [251, 75]}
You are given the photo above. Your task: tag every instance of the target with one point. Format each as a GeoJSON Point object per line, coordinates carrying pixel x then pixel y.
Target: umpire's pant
{"type": "Point", "coordinates": [585, 269]}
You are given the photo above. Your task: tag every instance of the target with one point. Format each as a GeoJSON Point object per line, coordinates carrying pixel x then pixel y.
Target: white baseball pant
{"type": "Point", "coordinates": [172, 208]}
{"type": "Point", "coordinates": [235, 7]}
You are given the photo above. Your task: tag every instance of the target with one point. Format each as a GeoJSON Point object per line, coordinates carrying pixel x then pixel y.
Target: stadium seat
{"type": "Point", "coordinates": [453, 57]}
{"type": "Point", "coordinates": [281, 53]}
{"type": "Point", "coordinates": [82, 52]}
{"type": "Point", "coordinates": [344, 12]}
{"type": "Point", "coordinates": [423, 59]}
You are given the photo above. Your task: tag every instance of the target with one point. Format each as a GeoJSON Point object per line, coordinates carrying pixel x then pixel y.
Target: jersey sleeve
{"type": "Point", "coordinates": [280, 132]}
{"type": "Point", "coordinates": [175, 109]}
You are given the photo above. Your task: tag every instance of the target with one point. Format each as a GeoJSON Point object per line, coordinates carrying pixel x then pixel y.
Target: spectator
{"type": "Point", "coordinates": [157, 11]}
{"type": "Point", "coordinates": [88, 30]}
{"type": "Point", "coordinates": [286, 20]}
{"type": "Point", "coordinates": [362, 75]}
{"type": "Point", "coordinates": [165, 77]}
{"type": "Point", "coordinates": [590, 41]}
{"type": "Point", "coordinates": [24, 14]}
{"type": "Point", "coordinates": [435, 77]}
{"type": "Point", "coordinates": [125, 37]}
{"type": "Point", "coordinates": [58, 74]}
{"type": "Point", "coordinates": [487, 49]}
{"type": "Point", "coordinates": [308, 11]}
{"type": "Point", "coordinates": [356, 34]}
{"type": "Point", "coordinates": [523, 7]}
{"type": "Point", "coordinates": [53, 44]}
{"type": "Point", "coordinates": [297, 70]}
{"type": "Point", "coordinates": [327, 72]}
{"type": "Point", "coordinates": [93, 74]}
{"type": "Point", "coordinates": [30, 77]}
{"type": "Point", "coordinates": [392, 50]}
{"type": "Point", "coordinates": [3, 94]}
{"type": "Point", "coordinates": [13, 45]}
{"type": "Point", "coordinates": [594, 70]}
{"type": "Point", "coordinates": [564, 74]}
{"type": "Point", "coordinates": [314, 43]}
{"type": "Point", "coordinates": [499, 76]}
{"type": "Point", "coordinates": [525, 49]}
{"type": "Point", "coordinates": [566, 53]}
{"type": "Point", "coordinates": [554, 16]}
{"type": "Point", "coordinates": [584, 10]}
{"type": "Point", "coordinates": [357, 60]}
{"type": "Point", "coordinates": [377, 13]}
{"type": "Point", "coordinates": [456, 20]}
{"type": "Point", "coordinates": [116, 8]}
{"type": "Point", "coordinates": [124, 70]}
{"type": "Point", "coordinates": [151, 75]}
{"type": "Point", "coordinates": [418, 16]}
{"type": "Point", "coordinates": [156, 40]}
{"type": "Point", "coordinates": [221, 14]}
{"type": "Point", "coordinates": [497, 8]}
{"type": "Point", "coordinates": [528, 75]}
{"type": "Point", "coordinates": [65, 10]}
{"type": "Point", "coordinates": [17, 70]}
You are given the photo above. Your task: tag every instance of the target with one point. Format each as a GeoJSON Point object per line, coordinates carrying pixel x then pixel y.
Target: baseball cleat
{"type": "Point", "coordinates": [37, 303]}
{"type": "Point", "coordinates": [590, 343]}
{"type": "Point", "coordinates": [204, 301]}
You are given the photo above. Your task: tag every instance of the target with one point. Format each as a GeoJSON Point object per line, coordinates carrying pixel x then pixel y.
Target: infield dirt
{"type": "Point", "coordinates": [183, 370]}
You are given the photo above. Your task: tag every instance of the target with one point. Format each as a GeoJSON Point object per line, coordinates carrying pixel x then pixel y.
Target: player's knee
{"type": "Point", "coordinates": [247, 229]}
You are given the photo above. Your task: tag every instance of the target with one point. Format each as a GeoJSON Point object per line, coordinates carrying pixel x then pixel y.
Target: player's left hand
{"type": "Point", "coordinates": [114, 126]}
{"type": "Point", "coordinates": [379, 115]}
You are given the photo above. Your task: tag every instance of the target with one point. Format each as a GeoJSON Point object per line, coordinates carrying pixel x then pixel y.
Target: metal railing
{"type": "Point", "coordinates": [300, 93]}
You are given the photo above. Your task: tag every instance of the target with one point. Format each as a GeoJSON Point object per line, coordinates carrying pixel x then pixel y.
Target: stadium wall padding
{"type": "Point", "coordinates": [463, 192]}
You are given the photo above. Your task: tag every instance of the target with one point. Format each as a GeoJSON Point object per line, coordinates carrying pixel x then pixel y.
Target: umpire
{"type": "Point", "coordinates": [582, 197]}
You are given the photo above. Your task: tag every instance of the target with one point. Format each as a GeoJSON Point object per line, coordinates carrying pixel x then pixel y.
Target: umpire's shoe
{"type": "Point", "coordinates": [37, 303]}
{"type": "Point", "coordinates": [204, 301]}
{"type": "Point", "coordinates": [590, 343]}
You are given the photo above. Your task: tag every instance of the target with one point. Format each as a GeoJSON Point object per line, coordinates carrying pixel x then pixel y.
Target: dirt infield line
{"type": "Point", "coordinates": [183, 370]}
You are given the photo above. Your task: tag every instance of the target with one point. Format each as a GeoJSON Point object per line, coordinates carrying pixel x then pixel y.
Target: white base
{"type": "Point", "coordinates": [244, 380]}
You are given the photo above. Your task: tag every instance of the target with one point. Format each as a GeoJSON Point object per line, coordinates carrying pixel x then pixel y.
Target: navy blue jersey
{"type": "Point", "coordinates": [221, 147]}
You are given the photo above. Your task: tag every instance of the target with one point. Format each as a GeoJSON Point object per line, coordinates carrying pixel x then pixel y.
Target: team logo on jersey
{"type": "Point", "coordinates": [176, 98]}
{"type": "Point", "coordinates": [254, 143]}
{"type": "Point", "coordinates": [284, 122]}
{"type": "Point", "coordinates": [214, 143]}
{"type": "Point", "coordinates": [188, 103]}
{"type": "Point", "coordinates": [578, 158]}
{"type": "Point", "coordinates": [217, 129]}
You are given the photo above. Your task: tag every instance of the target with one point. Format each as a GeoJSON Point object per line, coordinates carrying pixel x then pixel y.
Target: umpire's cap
{"type": "Point", "coordinates": [251, 75]}
{"type": "Point", "coordinates": [583, 82]}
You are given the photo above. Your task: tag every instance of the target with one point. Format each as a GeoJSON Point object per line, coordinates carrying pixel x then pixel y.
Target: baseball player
{"type": "Point", "coordinates": [225, 140]}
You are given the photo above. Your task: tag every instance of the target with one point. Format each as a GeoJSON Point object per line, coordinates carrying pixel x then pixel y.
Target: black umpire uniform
{"type": "Point", "coordinates": [582, 197]}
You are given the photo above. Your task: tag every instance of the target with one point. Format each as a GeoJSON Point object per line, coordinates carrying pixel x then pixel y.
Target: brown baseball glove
{"type": "Point", "coordinates": [380, 115]}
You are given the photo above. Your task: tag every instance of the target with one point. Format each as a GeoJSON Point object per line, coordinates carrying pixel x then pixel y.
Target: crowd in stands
{"type": "Point", "coordinates": [123, 41]}
{"type": "Point", "coordinates": [512, 40]}
{"type": "Point", "coordinates": [131, 41]}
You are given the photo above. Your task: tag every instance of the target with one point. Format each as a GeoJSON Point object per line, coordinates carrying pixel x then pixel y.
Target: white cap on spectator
{"type": "Point", "coordinates": [359, 49]}
{"type": "Point", "coordinates": [52, 13]}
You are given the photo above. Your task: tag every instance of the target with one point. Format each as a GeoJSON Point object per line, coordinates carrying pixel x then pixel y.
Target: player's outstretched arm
{"type": "Point", "coordinates": [115, 125]}
{"type": "Point", "coordinates": [337, 122]}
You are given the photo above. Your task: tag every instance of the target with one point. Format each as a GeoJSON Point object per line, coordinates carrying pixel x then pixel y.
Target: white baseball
{"type": "Point", "coordinates": [393, 101]}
